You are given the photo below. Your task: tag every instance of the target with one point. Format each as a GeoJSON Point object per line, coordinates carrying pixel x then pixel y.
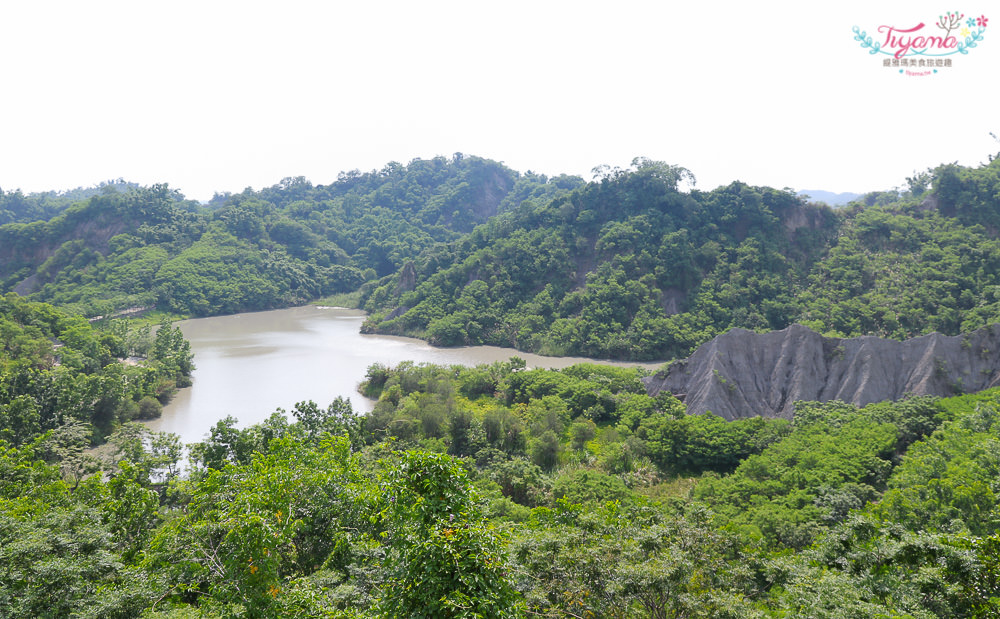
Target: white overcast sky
{"type": "Point", "coordinates": [218, 95]}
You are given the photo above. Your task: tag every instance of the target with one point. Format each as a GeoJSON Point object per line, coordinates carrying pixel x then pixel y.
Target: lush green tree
{"type": "Point", "coordinates": [947, 481]}
{"type": "Point", "coordinates": [251, 529]}
{"type": "Point", "coordinates": [699, 443]}
{"type": "Point", "coordinates": [777, 493]}
{"type": "Point", "coordinates": [337, 419]}
{"type": "Point", "coordinates": [446, 560]}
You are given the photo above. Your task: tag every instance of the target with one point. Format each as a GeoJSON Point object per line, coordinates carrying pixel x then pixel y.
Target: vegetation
{"type": "Point", "coordinates": [129, 247]}
{"type": "Point", "coordinates": [16, 207]}
{"type": "Point", "coordinates": [500, 491]}
{"type": "Point", "coordinates": [58, 374]}
{"type": "Point", "coordinates": [497, 490]}
{"type": "Point", "coordinates": [465, 251]}
{"type": "Point", "coordinates": [631, 267]}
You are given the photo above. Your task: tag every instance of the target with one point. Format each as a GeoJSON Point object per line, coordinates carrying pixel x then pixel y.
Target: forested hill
{"type": "Point", "coordinates": [628, 266]}
{"type": "Point", "coordinates": [282, 245]}
{"type": "Point", "coordinates": [18, 207]}
{"type": "Point", "coordinates": [631, 267]}
{"type": "Point", "coordinates": [463, 250]}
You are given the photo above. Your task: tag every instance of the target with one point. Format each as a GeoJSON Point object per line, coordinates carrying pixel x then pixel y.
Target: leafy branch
{"type": "Point", "coordinates": [971, 41]}
{"type": "Point", "coordinates": [866, 41]}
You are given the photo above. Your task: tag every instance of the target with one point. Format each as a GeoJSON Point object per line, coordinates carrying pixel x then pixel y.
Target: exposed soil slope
{"type": "Point", "coordinates": [743, 374]}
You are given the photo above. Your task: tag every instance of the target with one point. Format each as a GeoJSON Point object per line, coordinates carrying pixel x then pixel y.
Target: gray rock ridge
{"type": "Point", "coordinates": [743, 374]}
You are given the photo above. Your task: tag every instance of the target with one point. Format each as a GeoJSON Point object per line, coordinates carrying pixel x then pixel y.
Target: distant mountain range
{"type": "Point", "coordinates": [833, 199]}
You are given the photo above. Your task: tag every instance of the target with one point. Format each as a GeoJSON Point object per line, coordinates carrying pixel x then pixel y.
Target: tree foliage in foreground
{"type": "Point", "coordinates": [497, 490]}
{"type": "Point", "coordinates": [287, 519]}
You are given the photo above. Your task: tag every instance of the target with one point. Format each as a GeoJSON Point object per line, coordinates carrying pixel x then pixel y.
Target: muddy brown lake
{"type": "Point", "coordinates": [249, 365]}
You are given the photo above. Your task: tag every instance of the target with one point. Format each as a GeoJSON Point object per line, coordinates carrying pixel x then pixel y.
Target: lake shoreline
{"type": "Point", "coordinates": [251, 364]}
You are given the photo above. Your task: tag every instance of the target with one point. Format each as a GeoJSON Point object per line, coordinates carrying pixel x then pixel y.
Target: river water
{"type": "Point", "coordinates": [249, 365]}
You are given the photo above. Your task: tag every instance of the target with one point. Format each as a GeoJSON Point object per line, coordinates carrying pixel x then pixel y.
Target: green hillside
{"type": "Point", "coordinates": [280, 246]}
{"type": "Point", "coordinates": [631, 267]}
{"type": "Point", "coordinates": [466, 251]}
{"type": "Point", "coordinates": [498, 490]}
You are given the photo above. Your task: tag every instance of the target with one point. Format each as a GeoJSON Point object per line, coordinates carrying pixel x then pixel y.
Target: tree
{"type": "Point", "coordinates": [545, 450]}
{"type": "Point", "coordinates": [445, 559]}
{"type": "Point", "coordinates": [338, 418]}
{"type": "Point", "coordinates": [251, 530]}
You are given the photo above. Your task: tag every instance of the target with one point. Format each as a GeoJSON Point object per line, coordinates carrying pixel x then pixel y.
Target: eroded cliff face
{"type": "Point", "coordinates": [744, 374]}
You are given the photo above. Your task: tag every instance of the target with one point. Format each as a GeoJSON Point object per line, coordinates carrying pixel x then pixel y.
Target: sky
{"type": "Point", "coordinates": [213, 95]}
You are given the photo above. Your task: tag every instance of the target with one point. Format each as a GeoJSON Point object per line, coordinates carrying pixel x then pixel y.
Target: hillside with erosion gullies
{"type": "Point", "coordinates": [741, 374]}
{"type": "Point", "coordinates": [628, 266]}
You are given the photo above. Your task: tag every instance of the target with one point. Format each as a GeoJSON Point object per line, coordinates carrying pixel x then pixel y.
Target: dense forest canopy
{"type": "Point", "coordinates": [630, 267]}
{"type": "Point", "coordinates": [58, 371]}
{"type": "Point", "coordinates": [625, 267]}
{"type": "Point", "coordinates": [496, 490]}
{"type": "Point", "coordinates": [280, 246]}
{"type": "Point", "coordinates": [505, 492]}
{"type": "Point", "coordinates": [463, 250]}
{"type": "Point", "coordinates": [16, 207]}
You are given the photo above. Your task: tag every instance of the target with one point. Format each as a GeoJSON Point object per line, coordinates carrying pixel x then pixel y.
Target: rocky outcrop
{"type": "Point", "coordinates": [744, 374]}
{"type": "Point", "coordinates": [407, 278]}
